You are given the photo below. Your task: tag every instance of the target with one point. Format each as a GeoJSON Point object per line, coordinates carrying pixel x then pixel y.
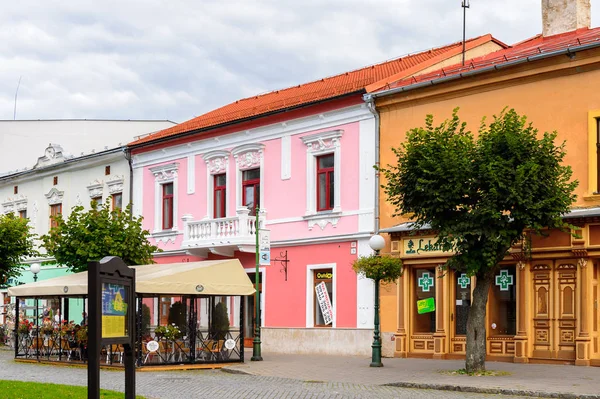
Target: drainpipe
{"type": "Point", "coordinates": [371, 106]}
{"type": "Point", "coordinates": [127, 153]}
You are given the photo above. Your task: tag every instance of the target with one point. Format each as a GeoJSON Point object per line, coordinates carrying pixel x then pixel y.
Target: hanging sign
{"type": "Point", "coordinates": [324, 302]}
{"type": "Point", "coordinates": [426, 305]}
{"type": "Point", "coordinates": [264, 247]}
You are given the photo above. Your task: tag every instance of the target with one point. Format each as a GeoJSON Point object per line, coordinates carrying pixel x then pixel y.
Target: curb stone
{"type": "Point", "coordinates": [462, 388]}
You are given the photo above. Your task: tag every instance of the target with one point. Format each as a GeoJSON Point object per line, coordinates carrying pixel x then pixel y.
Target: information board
{"type": "Point", "coordinates": [114, 310]}
{"type": "Point", "coordinates": [324, 302]}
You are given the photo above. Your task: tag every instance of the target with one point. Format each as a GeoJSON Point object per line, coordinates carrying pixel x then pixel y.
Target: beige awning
{"type": "Point", "coordinates": [214, 277]}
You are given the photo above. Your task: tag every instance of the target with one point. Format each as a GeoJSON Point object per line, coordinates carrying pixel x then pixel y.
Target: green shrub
{"type": "Point", "coordinates": [220, 321]}
{"type": "Point", "coordinates": [177, 316]}
{"type": "Point", "coordinates": [145, 319]}
{"type": "Point", "coordinates": [383, 268]}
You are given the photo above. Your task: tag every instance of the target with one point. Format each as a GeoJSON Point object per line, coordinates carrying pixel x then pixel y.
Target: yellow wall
{"type": "Point", "coordinates": [556, 94]}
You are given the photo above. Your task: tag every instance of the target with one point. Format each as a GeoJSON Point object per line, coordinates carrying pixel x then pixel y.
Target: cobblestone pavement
{"type": "Point", "coordinates": [214, 384]}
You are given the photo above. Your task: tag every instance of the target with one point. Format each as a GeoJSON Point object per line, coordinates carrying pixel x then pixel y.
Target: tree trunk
{"type": "Point", "coordinates": [476, 333]}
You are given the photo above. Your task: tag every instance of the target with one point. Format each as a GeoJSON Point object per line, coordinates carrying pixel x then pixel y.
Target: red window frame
{"type": "Point", "coordinates": [256, 199]}
{"type": "Point", "coordinates": [223, 189]}
{"type": "Point", "coordinates": [328, 172]}
{"type": "Point", "coordinates": [55, 210]}
{"type": "Point", "coordinates": [167, 199]}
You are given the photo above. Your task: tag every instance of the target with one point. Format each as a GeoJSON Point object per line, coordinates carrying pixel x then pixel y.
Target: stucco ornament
{"type": "Point", "coordinates": [95, 189]}
{"type": "Point", "coordinates": [115, 185]}
{"type": "Point", "coordinates": [217, 165]}
{"type": "Point", "coordinates": [323, 222]}
{"type": "Point", "coordinates": [166, 172]}
{"type": "Point", "coordinates": [21, 203]}
{"type": "Point", "coordinates": [8, 206]}
{"type": "Point", "coordinates": [54, 196]}
{"type": "Point", "coordinates": [249, 160]}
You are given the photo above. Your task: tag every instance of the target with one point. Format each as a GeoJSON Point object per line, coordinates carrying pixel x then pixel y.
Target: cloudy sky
{"type": "Point", "coordinates": [176, 59]}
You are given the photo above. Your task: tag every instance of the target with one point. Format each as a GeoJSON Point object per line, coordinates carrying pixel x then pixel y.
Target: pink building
{"type": "Point", "coordinates": [303, 155]}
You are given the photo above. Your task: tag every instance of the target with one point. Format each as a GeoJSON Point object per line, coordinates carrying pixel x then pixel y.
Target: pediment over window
{"type": "Point", "coordinates": [54, 196]}
{"type": "Point", "coordinates": [248, 156]}
{"type": "Point", "coordinates": [95, 189]}
{"type": "Point", "coordinates": [323, 141]}
{"type": "Point", "coordinates": [216, 161]}
{"type": "Point", "coordinates": [115, 185]}
{"type": "Point", "coordinates": [165, 172]}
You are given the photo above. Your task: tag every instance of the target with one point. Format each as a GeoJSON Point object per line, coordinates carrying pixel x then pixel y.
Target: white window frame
{"type": "Point", "coordinates": [217, 163]}
{"type": "Point", "coordinates": [247, 157]}
{"type": "Point", "coordinates": [164, 174]}
{"type": "Point", "coordinates": [319, 144]}
{"type": "Point", "coordinates": [310, 293]}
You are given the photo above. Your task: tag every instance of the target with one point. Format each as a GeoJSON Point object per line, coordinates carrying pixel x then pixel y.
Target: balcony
{"type": "Point", "coordinates": [221, 236]}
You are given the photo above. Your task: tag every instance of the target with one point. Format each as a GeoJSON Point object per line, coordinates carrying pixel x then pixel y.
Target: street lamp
{"type": "Point", "coordinates": [377, 243]}
{"type": "Point", "coordinates": [35, 269]}
{"type": "Point", "coordinates": [256, 349]}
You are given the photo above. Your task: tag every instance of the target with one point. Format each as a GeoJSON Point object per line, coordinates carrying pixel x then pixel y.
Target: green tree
{"type": "Point", "coordinates": [16, 243]}
{"type": "Point", "coordinates": [480, 196]}
{"type": "Point", "coordinates": [91, 235]}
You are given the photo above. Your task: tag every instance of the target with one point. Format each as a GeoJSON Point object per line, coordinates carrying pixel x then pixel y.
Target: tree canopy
{"type": "Point", "coordinates": [16, 243]}
{"type": "Point", "coordinates": [91, 235]}
{"type": "Point", "coordinates": [480, 195]}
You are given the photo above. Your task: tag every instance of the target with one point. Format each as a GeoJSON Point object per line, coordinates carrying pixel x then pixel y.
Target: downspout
{"type": "Point", "coordinates": [127, 153]}
{"type": "Point", "coordinates": [371, 106]}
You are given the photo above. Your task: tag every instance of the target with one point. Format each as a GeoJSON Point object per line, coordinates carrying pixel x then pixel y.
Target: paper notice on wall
{"type": "Point", "coordinates": [324, 302]}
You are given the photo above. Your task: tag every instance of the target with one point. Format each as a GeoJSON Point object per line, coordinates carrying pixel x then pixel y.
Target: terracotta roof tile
{"type": "Point", "coordinates": [533, 46]}
{"type": "Point", "coordinates": [318, 90]}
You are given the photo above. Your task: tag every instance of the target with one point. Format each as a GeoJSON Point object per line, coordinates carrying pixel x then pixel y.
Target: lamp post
{"type": "Point", "coordinates": [377, 243]}
{"type": "Point", "coordinates": [35, 269]}
{"type": "Point", "coordinates": [256, 355]}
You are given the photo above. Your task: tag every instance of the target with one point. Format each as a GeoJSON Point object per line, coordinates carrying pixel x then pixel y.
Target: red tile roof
{"type": "Point", "coordinates": [520, 51]}
{"type": "Point", "coordinates": [319, 90]}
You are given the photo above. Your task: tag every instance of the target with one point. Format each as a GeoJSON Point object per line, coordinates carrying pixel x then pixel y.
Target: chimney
{"type": "Point", "coordinates": [561, 16]}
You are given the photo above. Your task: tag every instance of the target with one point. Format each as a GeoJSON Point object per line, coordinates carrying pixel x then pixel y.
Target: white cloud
{"type": "Point", "coordinates": [139, 59]}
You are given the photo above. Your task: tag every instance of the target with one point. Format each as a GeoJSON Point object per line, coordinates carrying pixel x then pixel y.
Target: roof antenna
{"type": "Point", "coordinates": [465, 4]}
{"type": "Point", "coordinates": [16, 93]}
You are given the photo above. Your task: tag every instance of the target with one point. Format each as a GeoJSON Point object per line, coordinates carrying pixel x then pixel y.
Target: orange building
{"type": "Point", "coordinates": [544, 306]}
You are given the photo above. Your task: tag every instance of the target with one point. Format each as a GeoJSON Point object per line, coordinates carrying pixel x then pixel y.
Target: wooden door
{"type": "Point", "coordinates": [554, 313]}
{"type": "Point", "coordinates": [165, 306]}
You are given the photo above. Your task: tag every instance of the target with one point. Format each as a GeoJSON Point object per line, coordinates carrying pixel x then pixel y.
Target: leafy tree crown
{"type": "Point", "coordinates": [16, 243]}
{"type": "Point", "coordinates": [480, 194]}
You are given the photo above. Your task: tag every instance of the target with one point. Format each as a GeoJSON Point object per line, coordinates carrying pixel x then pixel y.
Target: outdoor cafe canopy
{"type": "Point", "coordinates": [213, 277]}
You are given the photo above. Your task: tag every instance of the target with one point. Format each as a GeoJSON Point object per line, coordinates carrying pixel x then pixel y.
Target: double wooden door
{"type": "Point", "coordinates": [554, 309]}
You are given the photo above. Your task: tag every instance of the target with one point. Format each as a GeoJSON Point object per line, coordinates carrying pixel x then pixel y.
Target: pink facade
{"type": "Point", "coordinates": [320, 244]}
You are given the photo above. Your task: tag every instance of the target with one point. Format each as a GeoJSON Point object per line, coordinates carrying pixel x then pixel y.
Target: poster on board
{"type": "Point", "coordinates": [114, 310]}
{"type": "Point", "coordinates": [324, 302]}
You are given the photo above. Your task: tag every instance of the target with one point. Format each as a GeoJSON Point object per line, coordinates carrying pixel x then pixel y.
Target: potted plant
{"type": "Point", "coordinates": [47, 327]}
{"type": "Point", "coordinates": [220, 321]}
{"type": "Point", "coordinates": [160, 331]}
{"type": "Point", "coordinates": [24, 327]}
{"type": "Point", "coordinates": [172, 332]}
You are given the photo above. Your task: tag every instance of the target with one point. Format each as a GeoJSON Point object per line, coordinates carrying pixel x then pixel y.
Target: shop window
{"type": "Point", "coordinates": [323, 297]}
{"type": "Point", "coordinates": [220, 193]}
{"type": "Point", "coordinates": [251, 189]}
{"type": "Point", "coordinates": [117, 201]}
{"type": "Point", "coordinates": [55, 210]}
{"type": "Point", "coordinates": [503, 303]}
{"type": "Point", "coordinates": [424, 287]}
{"type": "Point", "coordinates": [167, 206]}
{"type": "Point", "coordinates": [462, 303]}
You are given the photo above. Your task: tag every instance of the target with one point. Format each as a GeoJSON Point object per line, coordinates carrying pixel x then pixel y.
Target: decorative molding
{"type": "Point", "coordinates": [54, 196]}
{"type": "Point", "coordinates": [216, 161]}
{"type": "Point", "coordinates": [248, 156]}
{"type": "Point", "coordinates": [165, 237]}
{"type": "Point", "coordinates": [191, 174]}
{"type": "Point", "coordinates": [95, 189]}
{"type": "Point", "coordinates": [21, 203]}
{"type": "Point", "coordinates": [78, 201]}
{"type": "Point", "coordinates": [8, 206]}
{"type": "Point", "coordinates": [286, 157]}
{"type": "Point", "coordinates": [53, 154]}
{"type": "Point", "coordinates": [582, 262]}
{"type": "Point", "coordinates": [164, 173]}
{"type": "Point", "coordinates": [322, 220]}
{"type": "Point", "coordinates": [323, 141]}
{"type": "Point", "coordinates": [116, 184]}
{"type": "Point", "coordinates": [521, 265]}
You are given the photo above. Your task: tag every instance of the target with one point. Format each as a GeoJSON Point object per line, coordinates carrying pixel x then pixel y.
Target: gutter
{"type": "Point", "coordinates": [371, 106]}
{"type": "Point", "coordinates": [537, 57]}
{"type": "Point", "coordinates": [127, 153]}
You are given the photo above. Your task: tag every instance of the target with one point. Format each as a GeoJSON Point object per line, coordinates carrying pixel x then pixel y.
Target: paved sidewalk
{"type": "Point", "coordinates": [522, 379]}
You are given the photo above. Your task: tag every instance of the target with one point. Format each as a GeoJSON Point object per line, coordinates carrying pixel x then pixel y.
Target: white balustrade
{"type": "Point", "coordinates": [240, 228]}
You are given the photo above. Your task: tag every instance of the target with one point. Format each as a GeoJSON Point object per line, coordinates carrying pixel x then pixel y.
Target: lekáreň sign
{"type": "Point", "coordinates": [422, 246]}
{"type": "Point", "coordinates": [324, 302]}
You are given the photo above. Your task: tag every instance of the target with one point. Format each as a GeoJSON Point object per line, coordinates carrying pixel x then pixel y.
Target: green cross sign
{"type": "Point", "coordinates": [425, 282]}
{"type": "Point", "coordinates": [504, 280]}
{"type": "Point", "coordinates": [464, 281]}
